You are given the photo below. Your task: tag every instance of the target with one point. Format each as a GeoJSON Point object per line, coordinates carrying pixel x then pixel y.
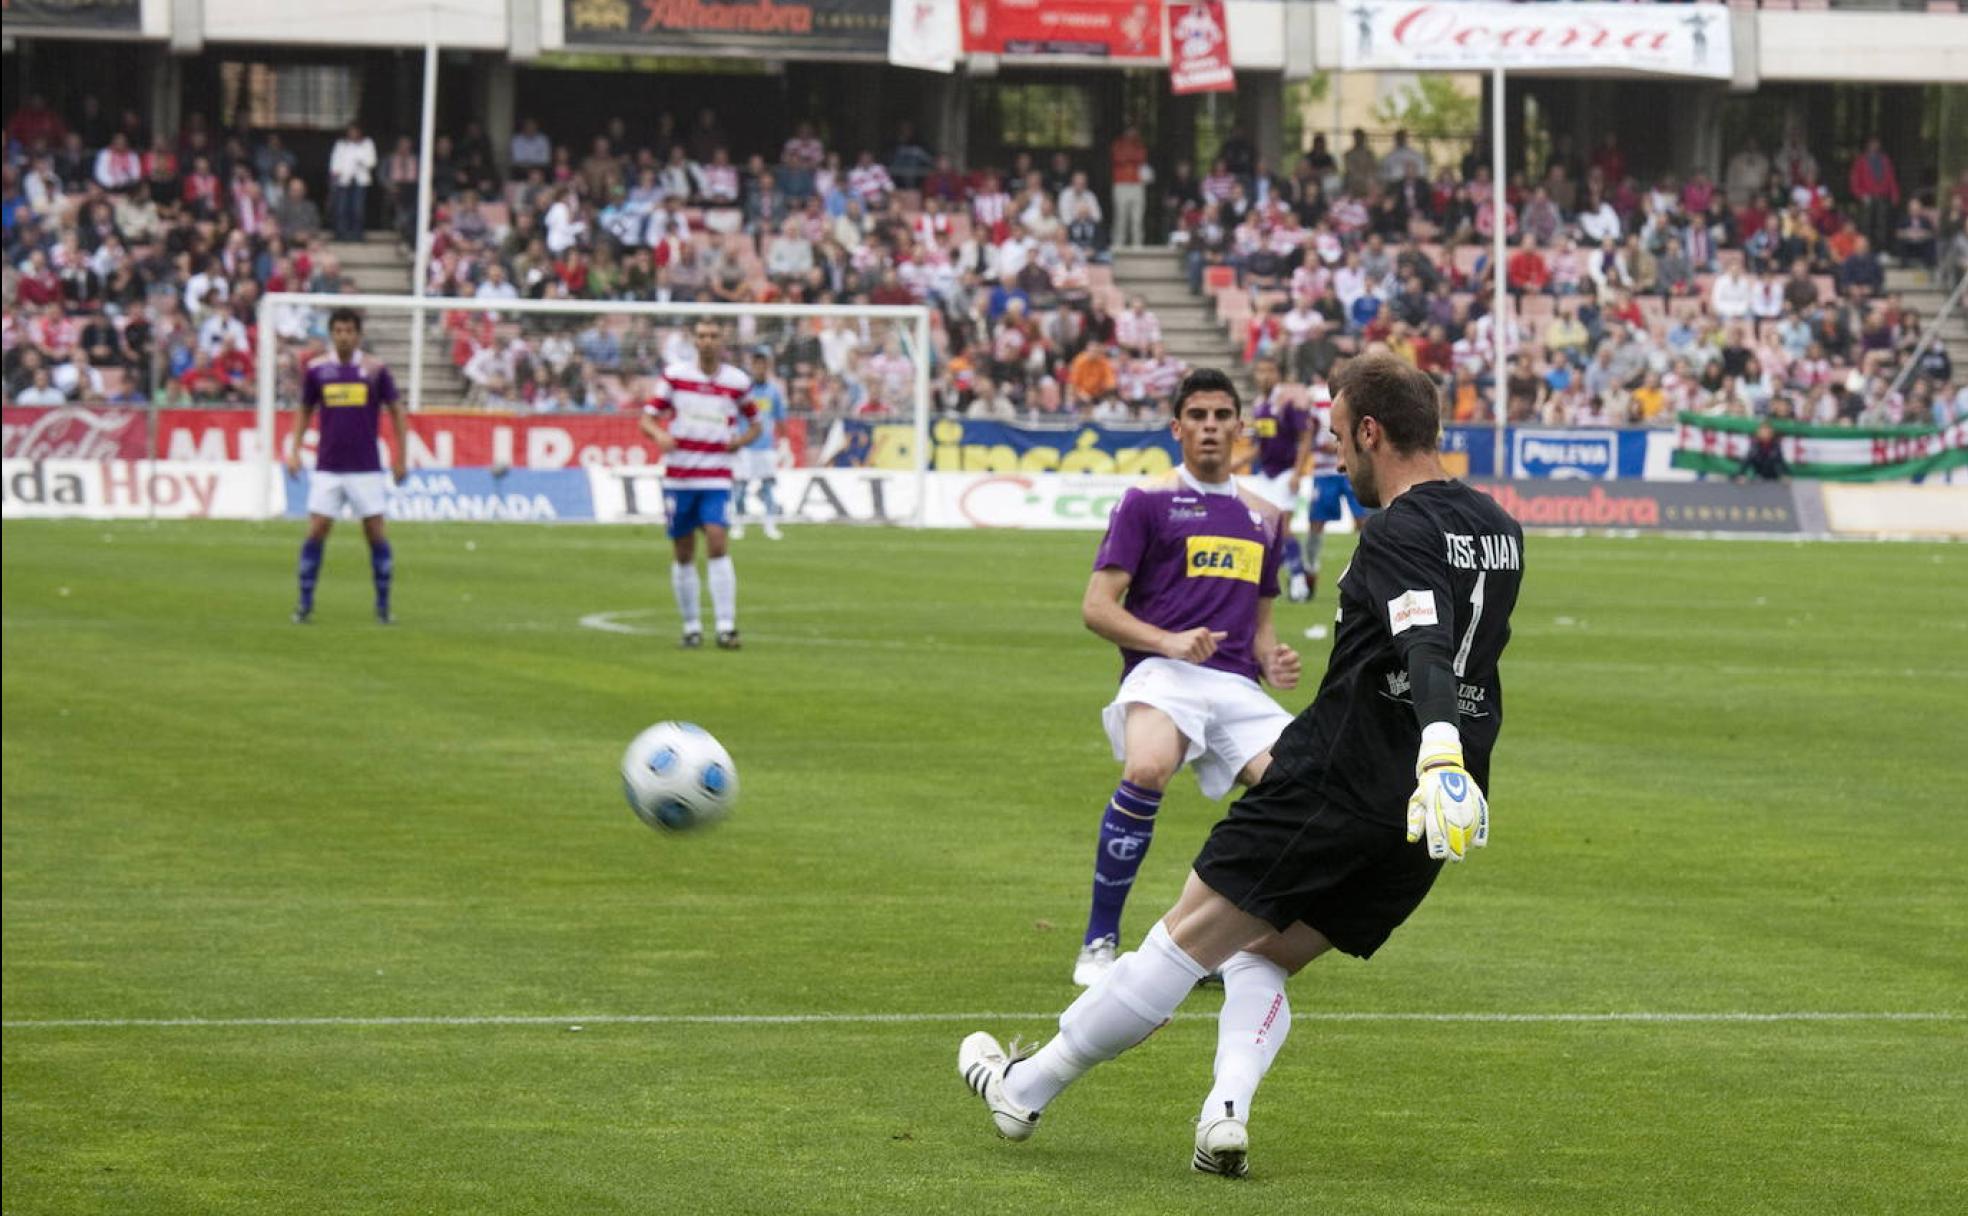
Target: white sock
{"type": "Point", "coordinates": [724, 592]}
{"type": "Point", "coordinates": [1256, 1018]}
{"type": "Point", "coordinates": [683, 581]}
{"type": "Point", "coordinates": [1138, 994]}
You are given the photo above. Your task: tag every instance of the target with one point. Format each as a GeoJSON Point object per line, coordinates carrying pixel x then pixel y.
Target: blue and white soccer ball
{"type": "Point", "coordinates": [676, 776]}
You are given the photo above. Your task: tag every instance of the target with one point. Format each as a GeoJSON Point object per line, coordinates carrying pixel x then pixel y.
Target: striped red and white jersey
{"type": "Point", "coordinates": [703, 413]}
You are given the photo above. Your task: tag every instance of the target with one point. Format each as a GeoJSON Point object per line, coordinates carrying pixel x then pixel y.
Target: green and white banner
{"type": "Point", "coordinates": [1833, 453]}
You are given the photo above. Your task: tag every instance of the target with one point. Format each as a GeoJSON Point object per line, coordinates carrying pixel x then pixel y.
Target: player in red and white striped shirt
{"type": "Point", "coordinates": [703, 403]}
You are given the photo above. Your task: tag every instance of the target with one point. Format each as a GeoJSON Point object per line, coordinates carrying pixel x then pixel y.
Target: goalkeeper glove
{"type": "Point", "coordinates": [1446, 807]}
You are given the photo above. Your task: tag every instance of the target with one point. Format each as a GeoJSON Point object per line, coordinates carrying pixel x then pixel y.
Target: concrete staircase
{"type": "Point", "coordinates": [377, 265]}
{"type": "Point", "coordinates": [1190, 328]}
{"type": "Point", "coordinates": [1922, 292]}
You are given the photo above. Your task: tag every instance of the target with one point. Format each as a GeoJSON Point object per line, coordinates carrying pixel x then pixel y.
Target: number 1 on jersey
{"type": "Point", "coordinates": [1475, 615]}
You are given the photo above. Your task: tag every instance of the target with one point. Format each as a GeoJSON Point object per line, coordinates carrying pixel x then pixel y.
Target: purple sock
{"type": "Point", "coordinates": [1125, 832]}
{"type": "Point", "coordinates": [382, 564]}
{"type": "Point", "coordinates": [310, 571]}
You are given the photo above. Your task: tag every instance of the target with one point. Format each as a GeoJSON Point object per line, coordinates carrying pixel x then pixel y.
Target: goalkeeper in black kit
{"type": "Point", "coordinates": [1371, 788]}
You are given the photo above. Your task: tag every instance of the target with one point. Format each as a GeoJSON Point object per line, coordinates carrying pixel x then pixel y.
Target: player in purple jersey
{"type": "Point", "coordinates": [1370, 790]}
{"type": "Point", "coordinates": [351, 390]}
{"type": "Point", "coordinates": [1183, 584]}
{"type": "Point", "coordinates": [1280, 430]}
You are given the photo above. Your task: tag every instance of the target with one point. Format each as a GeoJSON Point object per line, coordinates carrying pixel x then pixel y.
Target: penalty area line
{"type": "Point", "coordinates": [879, 1019]}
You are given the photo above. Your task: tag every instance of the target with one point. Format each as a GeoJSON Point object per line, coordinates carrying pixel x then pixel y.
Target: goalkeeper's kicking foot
{"type": "Point", "coordinates": [981, 1062]}
{"type": "Point", "coordinates": [1222, 1147]}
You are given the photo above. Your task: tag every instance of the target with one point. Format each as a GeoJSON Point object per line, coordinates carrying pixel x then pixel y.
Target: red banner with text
{"type": "Point", "coordinates": [1199, 48]}
{"type": "Point", "coordinates": [1099, 29]}
{"type": "Point", "coordinates": [437, 440]}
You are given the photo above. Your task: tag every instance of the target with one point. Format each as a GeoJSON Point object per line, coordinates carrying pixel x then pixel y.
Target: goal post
{"type": "Point", "coordinates": [503, 358]}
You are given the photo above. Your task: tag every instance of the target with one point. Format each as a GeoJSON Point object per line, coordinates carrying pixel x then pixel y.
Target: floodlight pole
{"type": "Point", "coordinates": [1500, 301]}
{"type": "Point", "coordinates": [269, 380]}
{"type": "Point", "coordinates": [420, 263]}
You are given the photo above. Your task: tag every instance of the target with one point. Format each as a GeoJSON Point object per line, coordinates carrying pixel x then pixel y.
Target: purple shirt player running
{"type": "Point", "coordinates": [1280, 428]}
{"type": "Point", "coordinates": [1199, 559]}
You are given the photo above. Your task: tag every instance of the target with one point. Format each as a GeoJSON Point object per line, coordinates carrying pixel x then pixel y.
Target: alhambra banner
{"type": "Point", "coordinates": [772, 28]}
{"type": "Point", "coordinates": [1454, 35]}
{"type": "Point", "coordinates": [1833, 453]}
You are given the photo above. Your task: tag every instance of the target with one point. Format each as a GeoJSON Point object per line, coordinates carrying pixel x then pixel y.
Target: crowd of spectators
{"type": "Point", "coordinates": [136, 274]}
{"type": "Point", "coordinates": [1761, 294]}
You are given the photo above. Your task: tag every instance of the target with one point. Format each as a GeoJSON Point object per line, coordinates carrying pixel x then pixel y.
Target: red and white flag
{"type": "Point", "coordinates": [1199, 48]}
{"type": "Point", "coordinates": [924, 34]}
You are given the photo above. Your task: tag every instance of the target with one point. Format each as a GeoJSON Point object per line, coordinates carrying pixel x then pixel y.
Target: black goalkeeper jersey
{"type": "Point", "coordinates": [1428, 593]}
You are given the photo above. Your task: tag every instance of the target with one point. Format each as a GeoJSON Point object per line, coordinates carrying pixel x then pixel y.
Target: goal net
{"type": "Point", "coordinates": [515, 395]}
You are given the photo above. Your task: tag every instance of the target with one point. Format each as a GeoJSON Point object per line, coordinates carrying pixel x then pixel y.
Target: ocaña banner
{"type": "Point", "coordinates": [1057, 502]}
{"type": "Point", "coordinates": [783, 28]}
{"type": "Point", "coordinates": [129, 489]}
{"type": "Point", "coordinates": [1452, 35]}
{"type": "Point", "coordinates": [1199, 48]}
{"type": "Point", "coordinates": [1098, 29]}
{"type": "Point", "coordinates": [1831, 453]}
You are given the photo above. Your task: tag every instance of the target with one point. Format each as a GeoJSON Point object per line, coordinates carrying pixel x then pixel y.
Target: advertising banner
{"type": "Point", "coordinates": [973, 445]}
{"type": "Point", "coordinates": [1199, 48]}
{"type": "Point", "coordinates": [1896, 510]}
{"type": "Point", "coordinates": [1831, 453]}
{"type": "Point", "coordinates": [814, 496]}
{"type": "Point", "coordinates": [783, 28]}
{"type": "Point", "coordinates": [1058, 502]}
{"type": "Point", "coordinates": [129, 489]}
{"type": "Point", "coordinates": [1460, 36]}
{"type": "Point", "coordinates": [526, 496]}
{"type": "Point", "coordinates": [78, 16]}
{"type": "Point", "coordinates": [437, 439]}
{"type": "Point", "coordinates": [1098, 29]}
{"type": "Point", "coordinates": [1582, 454]}
{"type": "Point", "coordinates": [1650, 507]}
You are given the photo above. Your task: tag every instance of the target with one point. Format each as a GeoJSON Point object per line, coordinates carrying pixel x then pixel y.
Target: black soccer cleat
{"type": "Point", "coordinates": [303, 616]}
{"type": "Point", "coordinates": [383, 616]}
{"type": "Point", "coordinates": [692, 640]}
{"type": "Point", "coordinates": [728, 640]}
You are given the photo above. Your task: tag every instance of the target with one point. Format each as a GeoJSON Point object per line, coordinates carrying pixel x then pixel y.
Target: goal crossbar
{"type": "Point", "coordinates": [915, 316]}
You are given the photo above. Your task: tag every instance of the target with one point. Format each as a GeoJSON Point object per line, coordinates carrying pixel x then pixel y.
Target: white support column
{"type": "Point", "coordinates": [420, 265]}
{"type": "Point", "coordinates": [1500, 301]}
{"type": "Point", "coordinates": [923, 356]}
{"type": "Point", "coordinates": [269, 379]}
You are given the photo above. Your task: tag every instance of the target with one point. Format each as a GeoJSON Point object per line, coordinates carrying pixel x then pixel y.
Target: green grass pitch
{"type": "Point", "coordinates": [1730, 782]}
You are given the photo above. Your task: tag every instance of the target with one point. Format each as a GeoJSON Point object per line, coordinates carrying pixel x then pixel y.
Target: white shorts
{"type": "Point", "coordinates": [755, 465]}
{"type": "Point", "coordinates": [366, 494]}
{"type": "Point", "coordinates": [1227, 720]}
{"type": "Point", "coordinates": [1275, 490]}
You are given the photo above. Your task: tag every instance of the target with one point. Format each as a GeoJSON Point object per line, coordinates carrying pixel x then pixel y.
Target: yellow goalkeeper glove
{"type": "Point", "coordinates": [1446, 807]}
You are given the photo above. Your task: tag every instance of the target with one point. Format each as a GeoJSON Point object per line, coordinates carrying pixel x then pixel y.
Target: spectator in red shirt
{"type": "Point", "coordinates": [1609, 160]}
{"type": "Point", "coordinates": [34, 124]}
{"type": "Point", "coordinates": [1527, 270]}
{"type": "Point", "coordinates": [1876, 189]}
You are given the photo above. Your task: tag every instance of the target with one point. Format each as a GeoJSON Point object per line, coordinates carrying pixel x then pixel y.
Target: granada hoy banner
{"type": "Point", "coordinates": [1455, 35]}
{"type": "Point", "coordinates": [1832, 453]}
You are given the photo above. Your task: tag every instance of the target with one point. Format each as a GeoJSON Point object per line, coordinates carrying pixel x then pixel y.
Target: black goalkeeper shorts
{"type": "Point", "coordinates": [1284, 854]}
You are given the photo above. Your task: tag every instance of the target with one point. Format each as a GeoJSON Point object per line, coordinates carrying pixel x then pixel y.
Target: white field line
{"type": "Point", "coordinates": [880, 1019]}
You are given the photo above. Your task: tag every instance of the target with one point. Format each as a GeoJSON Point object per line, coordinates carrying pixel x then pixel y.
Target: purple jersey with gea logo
{"type": "Point", "coordinates": [1278, 426]}
{"type": "Point", "coordinates": [1197, 558]}
{"type": "Point", "coordinates": [349, 398]}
